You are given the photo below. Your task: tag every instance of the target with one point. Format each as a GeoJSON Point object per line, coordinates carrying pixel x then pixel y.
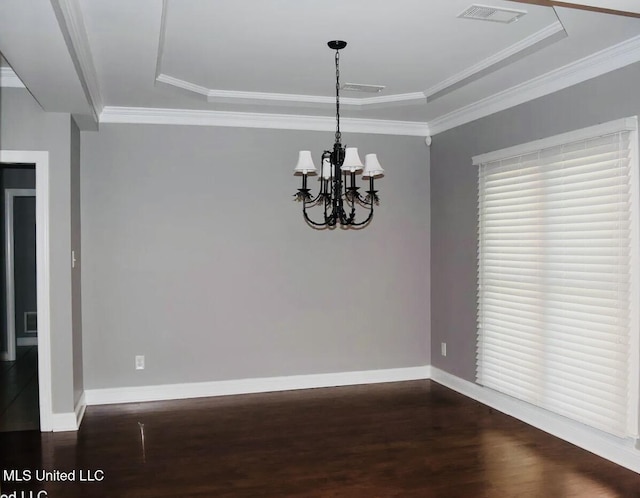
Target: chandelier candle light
{"type": "Point", "coordinates": [338, 169]}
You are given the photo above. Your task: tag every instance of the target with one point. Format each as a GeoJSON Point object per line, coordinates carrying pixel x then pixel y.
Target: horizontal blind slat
{"type": "Point", "coordinates": [554, 287]}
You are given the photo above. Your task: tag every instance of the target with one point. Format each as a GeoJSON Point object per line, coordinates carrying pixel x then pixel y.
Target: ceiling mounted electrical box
{"type": "Point", "coordinates": [493, 14]}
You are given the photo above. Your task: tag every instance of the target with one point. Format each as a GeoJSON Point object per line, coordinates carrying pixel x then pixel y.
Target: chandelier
{"type": "Point", "coordinates": [338, 193]}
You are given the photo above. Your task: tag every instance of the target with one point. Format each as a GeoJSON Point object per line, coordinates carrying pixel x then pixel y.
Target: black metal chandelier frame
{"type": "Point", "coordinates": [338, 191]}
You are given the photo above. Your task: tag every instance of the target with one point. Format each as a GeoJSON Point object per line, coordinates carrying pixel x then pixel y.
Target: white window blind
{"type": "Point", "coordinates": [557, 283]}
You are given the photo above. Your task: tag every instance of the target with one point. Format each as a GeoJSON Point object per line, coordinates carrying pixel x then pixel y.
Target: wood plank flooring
{"type": "Point", "coordinates": [409, 439]}
{"type": "Point", "coordinates": [19, 402]}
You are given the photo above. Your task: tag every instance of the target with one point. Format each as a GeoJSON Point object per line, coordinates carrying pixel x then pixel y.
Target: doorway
{"type": "Point", "coordinates": [25, 382]}
{"type": "Point", "coordinates": [19, 403]}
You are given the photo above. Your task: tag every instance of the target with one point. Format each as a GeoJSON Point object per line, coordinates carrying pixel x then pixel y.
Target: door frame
{"type": "Point", "coordinates": [43, 274]}
{"type": "Point", "coordinates": [9, 195]}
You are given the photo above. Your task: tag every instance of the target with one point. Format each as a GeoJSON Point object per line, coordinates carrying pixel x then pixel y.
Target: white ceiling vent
{"type": "Point", "coordinates": [494, 14]}
{"type": "Point", "coordinates": [358, 87]}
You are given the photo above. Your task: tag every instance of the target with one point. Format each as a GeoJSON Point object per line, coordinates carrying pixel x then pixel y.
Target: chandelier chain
{"type": "Point", "coordinates": [338, 134]}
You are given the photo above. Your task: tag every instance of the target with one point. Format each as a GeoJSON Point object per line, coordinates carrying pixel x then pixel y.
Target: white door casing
{"type": "Point", "coordinates": [41, 161]}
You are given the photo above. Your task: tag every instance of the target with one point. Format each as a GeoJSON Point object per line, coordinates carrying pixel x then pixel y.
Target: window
{"type": "Point", "coordinates": [557, 274]}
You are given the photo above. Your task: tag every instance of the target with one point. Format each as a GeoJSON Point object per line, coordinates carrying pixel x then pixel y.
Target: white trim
{"type": "Point", "coordinates": [10, 305]}
{"type": "Point", "coordinates": [240, 97]}
{"type": "Point", "coordinates": [246, 386]}
{"type": "Point", "coordinates": [609, 59]}
{"type": "Point", "coordinates": [604, 61]}
{"type": "Point", "coordinates": [27, 341]}
{"type": "Point", "coordinates": [214, 95]}
{"type": "Point", "coordinates": [630, 124]}
{"type": "Point", "coordinates": [9, 79]}
{"type": "Point", "coordinates": [617, 450]}
{"type": "Point", "coordinates": [63, 422]}
{"type": "Point", "coordinates": [289, 98]}
{"type": "Point", "coordinates": [69, 421]}
{"type": "Point", "coordinates": [183, 85]}
{"type": "Point", "coordinates": [80, 408]}
{"type": "Point", "coordinates": [404, 98]}
{"type": "Point", "coordinates": [41, 160]}
{"type": "Point", "coordinates": [143, 115]}
{"type": "Point", "coordinates": [634, 343]}
{"type": "Point", "coordinates": [161, 38]}
{"type": "Point", "coordinates": [72, 26]}
{"type": "Point", "coordinates": [495, 61]}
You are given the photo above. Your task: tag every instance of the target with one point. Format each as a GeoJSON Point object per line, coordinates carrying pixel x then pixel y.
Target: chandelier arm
{"type": "Point", "coordinates": [307, 201]}
{"type": "Point", "coordinates": [352, 215]}
{"type": "Point", "coordinates": [367, 220]}
{"type": "Point", "coordinates": [314, 223]}
{"type": "Point", "coordinates": [311, 202]}
{"type": "Point", "coordinates": [362, 200]}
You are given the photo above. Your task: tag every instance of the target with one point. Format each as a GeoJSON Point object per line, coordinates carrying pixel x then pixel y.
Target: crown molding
{"type": "Point", "coordinates": [524, 47]}
{"type": "Point", "coordinates": [141, 115]}
{"type": "Point", "coordinates": [597, 64]}
{"type": "Point", "coordinates": [9, 79]}
{"type": "Point", "coordinates": [182, 85]}
{"type": "Point", "coordinates": [213, 95]}
{"type": "Point", "coordinates": [238, 97]}
{"type": "Point", "coordinates": [161, 38]}
{"type": "Point", "coordinates": [520, 49]}
{"type": "Point", "coordinates": [72, 26]}
{"type": "Point", "coordinates": [232, 96]}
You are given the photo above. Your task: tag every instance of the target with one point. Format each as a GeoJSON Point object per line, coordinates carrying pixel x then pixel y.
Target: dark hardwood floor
{"type": "Point", "coordinates": [410, 439]}
{"type": "Point", "coordinates": [19, 401]}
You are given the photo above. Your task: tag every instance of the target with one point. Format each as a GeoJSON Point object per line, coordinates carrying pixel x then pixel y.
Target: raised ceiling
{"type": "Point", "coordinates": [270, 56]}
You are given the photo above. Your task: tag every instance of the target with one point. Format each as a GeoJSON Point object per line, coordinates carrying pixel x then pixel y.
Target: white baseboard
{"type": "Point", "coordinates": [247, 386]}
{"type": "Point", "coordinates": [70, 421]}
{"type": "Point", "coordinates": [27, 341]}
{"type": "Point", "coordinates": [80, 408]}
{"type": "Point", "coordinates": [617, 450]}
{"type": "Point", "coordinates": [63, 422]}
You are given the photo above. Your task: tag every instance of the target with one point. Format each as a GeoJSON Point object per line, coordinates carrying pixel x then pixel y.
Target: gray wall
{"type": "Point", "coordinates": [454, 195]}
{"type": "Point", "coordinates": [76, 246]}
{"type": "Point", "coordinates": [195, 255]}
{"type": "Point", "coordinates": [25, 126]}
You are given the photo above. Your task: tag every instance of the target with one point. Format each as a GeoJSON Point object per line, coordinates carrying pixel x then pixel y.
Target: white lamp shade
{"type": "Point", "coordinates": [305, 163]}
{"type": "Point", "coordinates": [372, 167]}
{"type": "Point", "coordinates": [352, 162]}
{"type": "Point", "coordinates": [327, 169]}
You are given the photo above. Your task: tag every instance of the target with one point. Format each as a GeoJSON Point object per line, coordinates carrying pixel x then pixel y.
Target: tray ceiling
{"type": "Point", "coordinates": [270, 56]}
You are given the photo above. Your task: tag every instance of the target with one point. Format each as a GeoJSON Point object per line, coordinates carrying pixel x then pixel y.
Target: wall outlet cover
{"type": "Point", "coordinates": [140, 362]}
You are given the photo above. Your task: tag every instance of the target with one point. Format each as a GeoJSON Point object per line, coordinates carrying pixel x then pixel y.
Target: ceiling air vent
{"type": "Point", "coordinates": [358, 87]}
{"type": "Point", "coordinates": [494, 14]}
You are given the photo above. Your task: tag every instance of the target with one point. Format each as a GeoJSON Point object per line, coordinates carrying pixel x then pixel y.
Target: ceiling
{"type": "Point", "coordinates": [94, 58]}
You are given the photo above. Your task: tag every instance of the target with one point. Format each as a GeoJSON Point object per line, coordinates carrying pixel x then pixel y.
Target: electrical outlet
{"type": "Point", "coordinates": [443, 348]}
{"type": "Point", "coordinates": [140, 362]}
